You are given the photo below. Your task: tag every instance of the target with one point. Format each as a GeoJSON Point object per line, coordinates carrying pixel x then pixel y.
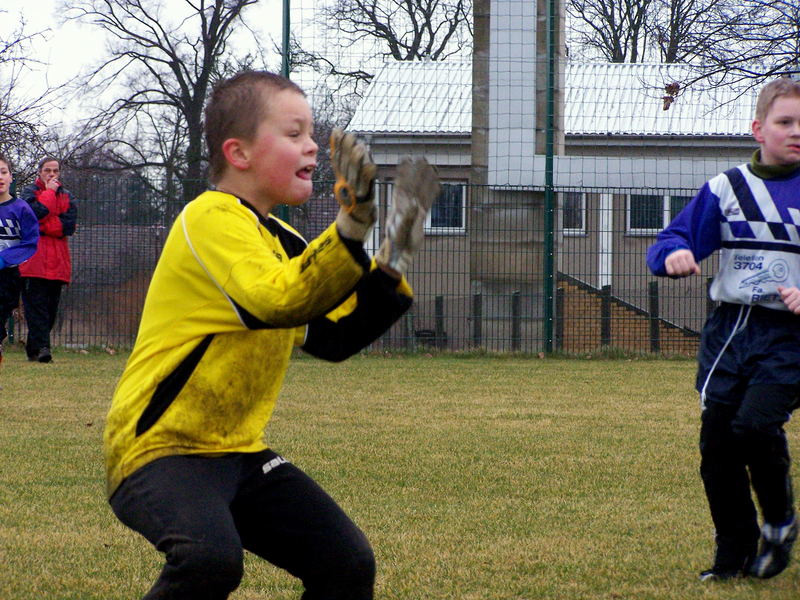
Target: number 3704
{"type": "Point", "coordinates": [747, 266]}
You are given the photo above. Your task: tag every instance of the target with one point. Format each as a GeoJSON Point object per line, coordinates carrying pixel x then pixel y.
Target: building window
{"type": "Point", "coordinates": [650, 213]}
{"type": "Point", "coordinates": [645, 213]}
{"type": "Point", "coordinates": [448, 213]}
{"type": "Point", "coordinates": [573, 213]}
{"type": "Point", "coordinates": [677, 204]}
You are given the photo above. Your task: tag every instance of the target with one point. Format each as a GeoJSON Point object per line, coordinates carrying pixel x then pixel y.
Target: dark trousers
{"type": "Point", "coordinates": [40, 298]}
{"type": "Point", "coordinates": [10, 284]}
{"type": "Point", "coordinates": [743, 446]}
{"type": "Point", "coordinates": [201, 512]}
{"type": "Point", "coordinates": [749, 380]}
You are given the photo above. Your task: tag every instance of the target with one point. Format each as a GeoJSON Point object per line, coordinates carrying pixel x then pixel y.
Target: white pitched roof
{"type": "Point", "coordinates": [627, 99]}
{"type": "Point", "coordinates": [417, 97]}
{"type": "Point", "coordinates": [600, 99]}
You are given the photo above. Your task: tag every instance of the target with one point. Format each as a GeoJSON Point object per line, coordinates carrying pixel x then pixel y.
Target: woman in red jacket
{"type": "Point", "coordinates": [50, 268]}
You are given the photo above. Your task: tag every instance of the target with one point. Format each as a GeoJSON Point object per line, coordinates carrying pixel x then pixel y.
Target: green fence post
{"type": "Point", "coordinates": [549, 221]}
{"type": "Point", "coordinates": [441, 334]}
{"type": "Point", "coordinates": [516, 321]}
{"type": "Point", "coordinates": [558, 342]}
{"type": "Point", "coordinates": [605, 315]}
{"type": "Point", "coordinates": [283, 210]}
{"type": "Point", "coordinates": [655, 329]}
{"type": "Point", "coordinates": [477, 320]}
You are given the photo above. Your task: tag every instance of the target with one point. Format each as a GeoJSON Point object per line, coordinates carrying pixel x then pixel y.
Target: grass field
{"type": "Point", "coordinates": [474, 478]}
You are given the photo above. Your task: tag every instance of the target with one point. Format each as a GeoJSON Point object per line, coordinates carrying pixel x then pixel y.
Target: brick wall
{"type": "Point", "coordinates": [581, 325]}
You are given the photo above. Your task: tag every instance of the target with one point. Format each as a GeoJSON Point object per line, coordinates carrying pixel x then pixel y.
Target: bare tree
{"type": "Point", "coordinates": [685, 31]}
{"type": "Point", "coordinates": [161, 73]}
{"type": "Point", "coordinates": [433, 29]}
{"type": "Point", "coordinates": [397, 29]}
{"type": "Point", "coordinates": [20, 115]}
{"type": "Point", "coordinates": [764, 41]}
{"type": "Point", "coordinates": [748, 42]}
{"type": "Point", "coordinates": [739, 43]}
{"type": "Point", "coordinates": [614, 30]}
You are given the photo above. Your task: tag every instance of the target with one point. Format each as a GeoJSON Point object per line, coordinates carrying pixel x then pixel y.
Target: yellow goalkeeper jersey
{"type": "Point", "coordinates": [229, 298]}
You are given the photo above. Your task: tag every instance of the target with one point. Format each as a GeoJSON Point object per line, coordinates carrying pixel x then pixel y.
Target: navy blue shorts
{"type": "Point", "coordinates": [743, 346]}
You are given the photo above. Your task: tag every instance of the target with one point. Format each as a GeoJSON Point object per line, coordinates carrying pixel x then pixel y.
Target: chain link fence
{"type": "Point", "coordinates": [478, 280]}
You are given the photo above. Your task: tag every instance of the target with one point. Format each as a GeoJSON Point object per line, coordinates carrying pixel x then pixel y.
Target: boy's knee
{"type": "Point", "coordinates": [715, 428]}
{"type": "Point", "coordinates": [761, 439]}
{"type": "Point", "coordinates": [350, 577]}
{"type": "Point", "coordinates": [355, 569]}
{"type": "Point", "coordinates": [362, 567]}
{"type": "Point", "coordinates": [207, 568]}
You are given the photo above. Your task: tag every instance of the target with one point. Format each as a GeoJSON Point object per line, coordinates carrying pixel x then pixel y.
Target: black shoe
{"type": "Point", "coordinates": [776, 550]}
{"type": "Point", "coordinates": [44, 356]}
{"type": "Point", "coordinates": [729, 565]}
{"type": "Point", "coordinates": [714, 575]}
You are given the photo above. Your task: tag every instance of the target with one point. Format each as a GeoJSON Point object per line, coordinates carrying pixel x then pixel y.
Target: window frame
{"type": "Point", "coordinates": [460, 230]}
{"type": "Point", "coordinates": [573, 231]}
{"type": "Point", "coordinates": [666, 213]}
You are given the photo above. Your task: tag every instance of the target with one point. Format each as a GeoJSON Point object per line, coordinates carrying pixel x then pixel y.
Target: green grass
{"type": "Point", "coordinates": [475, 478]}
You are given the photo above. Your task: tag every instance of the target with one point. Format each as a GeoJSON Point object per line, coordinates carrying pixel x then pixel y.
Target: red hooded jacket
{"type": "Point", "coordinates": [58, 214]}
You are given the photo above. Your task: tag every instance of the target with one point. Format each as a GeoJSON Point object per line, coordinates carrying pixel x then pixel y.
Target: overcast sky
{"type": "Point", "coordinates": [71, 47]}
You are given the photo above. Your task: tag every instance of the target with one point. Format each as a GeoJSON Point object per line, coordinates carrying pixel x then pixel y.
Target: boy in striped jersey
{"type": "Point", "coordinates": [19, 235]}
{"type": "Point", "coordinates": [749, 359]}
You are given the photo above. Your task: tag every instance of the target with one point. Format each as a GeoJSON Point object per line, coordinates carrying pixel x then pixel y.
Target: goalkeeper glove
{"type": "Point", "coordinates": [415, 189]}
{"type": "Point", "coordinates": [354, 187]}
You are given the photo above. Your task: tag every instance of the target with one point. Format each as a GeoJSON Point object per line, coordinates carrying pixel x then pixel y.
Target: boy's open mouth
{"type": "Point", "coordinates": [306, 172]}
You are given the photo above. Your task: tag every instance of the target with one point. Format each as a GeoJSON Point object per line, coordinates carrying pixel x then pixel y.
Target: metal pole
{"type": "Point", "coordinates": [655, 328]}
{"type": "Point", "coordinates": [549, 195]}
{"type": "Point", "coordinates": [283, 210]}
{"type": "Point", "coordinates": [516, 321]}
{"type": "Point", "coordinates": [285, 55]}
{"type": "Point", "coordinates": [605, 315]}
{"type": "Point", "coordinates": [477, 320]}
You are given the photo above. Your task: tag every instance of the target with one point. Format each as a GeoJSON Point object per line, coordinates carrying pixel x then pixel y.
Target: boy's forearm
{"type": "Point", "coordinates": [380, 302]}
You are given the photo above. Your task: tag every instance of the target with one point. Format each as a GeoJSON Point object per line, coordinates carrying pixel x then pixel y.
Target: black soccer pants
{"type": "Point", "coordinates": [9, 296]}
{"type": "Point", "coordinates": [202, 512]}
{"type": "Point", "coordinates": [40, 298]}
{"type": "Point", "coordinates": [746, 445]}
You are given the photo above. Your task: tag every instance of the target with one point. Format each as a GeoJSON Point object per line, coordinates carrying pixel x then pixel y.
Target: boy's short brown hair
{"type": "Point", "coordinates": [777, 88]}
{"type": "Point", "coordinates": [47, 159]}
{"type": "Point", "coordinates": [4, 159]}
{"type": "Point", "coordinates": [235, 110]}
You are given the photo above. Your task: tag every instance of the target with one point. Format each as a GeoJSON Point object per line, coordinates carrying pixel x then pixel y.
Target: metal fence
{"type": "Point", "coordinates": [557, 176]}
{"type": "Point", "coordinates": [478, 281]}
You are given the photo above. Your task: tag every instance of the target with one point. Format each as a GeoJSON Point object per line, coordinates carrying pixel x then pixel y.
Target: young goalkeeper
{"type": "Point", "coordinates": [749, 359]}
{"type": "Point", "coordinates": [234, 290]}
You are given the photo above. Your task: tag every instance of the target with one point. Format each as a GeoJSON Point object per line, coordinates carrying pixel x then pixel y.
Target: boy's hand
{"type": "Point", "coordinates": [415, 189]}
{"type": "Point", "coordinates": [791, 298]}
{"type": "Point", "coordinates": [681, 263]}
{"type": "Point", "coordinates": [354, 187]}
